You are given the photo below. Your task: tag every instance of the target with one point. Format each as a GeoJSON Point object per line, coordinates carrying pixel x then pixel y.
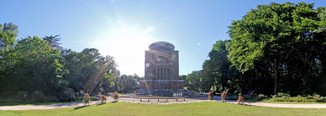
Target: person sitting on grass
{"type": "Point", "coordinates": [86, 99]}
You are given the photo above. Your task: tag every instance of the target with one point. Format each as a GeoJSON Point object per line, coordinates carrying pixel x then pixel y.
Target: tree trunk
{"type": "Point", "coordinates": [275, 67]}
{"type": "Point", "coordinates": [275, 83]}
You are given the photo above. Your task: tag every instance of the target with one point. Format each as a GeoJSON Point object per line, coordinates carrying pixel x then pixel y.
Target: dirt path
{"type": "Point", "coordinates": [135, 100]}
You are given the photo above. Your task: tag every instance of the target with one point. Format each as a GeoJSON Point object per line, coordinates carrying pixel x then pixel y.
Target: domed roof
{"type": "Point", "coordinates": [161, 46]}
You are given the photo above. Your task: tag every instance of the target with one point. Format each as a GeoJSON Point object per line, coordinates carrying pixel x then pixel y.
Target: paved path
{"type": "Point", "coordinates": [288, 105]}
{"type": "Point", "coordinates": [154, 101]}
{"type": "Point", "coordinates": [44, 107]}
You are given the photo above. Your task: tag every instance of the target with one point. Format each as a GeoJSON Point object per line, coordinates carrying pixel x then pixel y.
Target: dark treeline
{"type": "Point", "coordinates": [273, 48]}
{"type": "Point", "coordinates": [39, 68]}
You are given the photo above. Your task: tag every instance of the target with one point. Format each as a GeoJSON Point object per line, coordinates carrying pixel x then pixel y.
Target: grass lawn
{"type": "Point", "coordinates": [189, 109]}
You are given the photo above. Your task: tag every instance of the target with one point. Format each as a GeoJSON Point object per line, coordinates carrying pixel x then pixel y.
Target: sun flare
{"type": "Point", "coordinates": [127, 43]}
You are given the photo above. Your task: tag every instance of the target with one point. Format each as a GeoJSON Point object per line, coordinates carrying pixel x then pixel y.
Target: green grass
{"type": "Point", "coordinates": [189, 109]}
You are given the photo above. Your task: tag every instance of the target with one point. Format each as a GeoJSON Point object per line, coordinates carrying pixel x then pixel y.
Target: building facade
{"type": "Point", "coordinates": [162, 69]}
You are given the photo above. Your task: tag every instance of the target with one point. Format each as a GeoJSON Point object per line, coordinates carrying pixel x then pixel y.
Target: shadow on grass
{"type": "Point", "coordinates": [114, 102]}
{"type": "Point", "coordinates": [101, 104]}
{"type": "Point", "coordinates": [79, 107]}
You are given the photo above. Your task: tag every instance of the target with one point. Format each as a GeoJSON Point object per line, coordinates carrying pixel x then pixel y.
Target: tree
{"type": "Point", "coordinates": [320, 37]}
{"type": "Point", "coordinates": [8, 34]}
{"type": "Point", "coordinates": [53, 40]}
{"type": "Point", "coordinates": [220, 65]}
{"type": "Point", "coordinates": [87, 70]}
{"type": "Point", "coordinates": [270, 33]}
{"type": "Point", "coordinates": [34, 66]}
{"type": "Point", "coordinates": [195, 81]}
{"type": "Point", "coordinates": [126, 83]}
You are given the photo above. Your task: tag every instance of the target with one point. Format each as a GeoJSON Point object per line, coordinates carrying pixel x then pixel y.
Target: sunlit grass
{"type": "Point", "coordinates": [188, 109]}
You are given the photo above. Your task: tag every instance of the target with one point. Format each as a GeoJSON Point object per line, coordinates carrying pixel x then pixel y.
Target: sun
{"type": "Point", "coordinates": [127, 44]}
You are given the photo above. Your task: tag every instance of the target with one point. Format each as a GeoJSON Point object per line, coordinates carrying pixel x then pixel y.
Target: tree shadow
{"type": "Point", "coordinates": [101, 103]}
{"type": "Point", "coordinates": [79, 107]}
{"type": "Point", "coordinates": [114, 101]}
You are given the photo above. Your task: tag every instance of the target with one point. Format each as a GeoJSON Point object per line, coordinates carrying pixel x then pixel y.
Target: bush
{"type": "Point", "coordinates": [52, 99]}
{"type": "Point", "coordinates": [261, 96]}
{"type": "Point", "coordinates": [321, 99]}
{"type": "Point", "coordinates": [283, 95]}
{"type": "Point", "coordinates": [67, 94]}
{"type": "Point", "coordinates": [22, 96]}
{"type": "Point", "coordinates": [298, 98]}
{"type": "Point", "coordinates": [37, 96]}
{"type": "Point", "coordinates": [94, 98]}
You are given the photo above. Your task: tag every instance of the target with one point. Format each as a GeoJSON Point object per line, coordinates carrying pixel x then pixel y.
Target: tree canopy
{"type": "Point", "coordinates": [275, 33]}
{"type": "Point", "coordinates": [36, 66]}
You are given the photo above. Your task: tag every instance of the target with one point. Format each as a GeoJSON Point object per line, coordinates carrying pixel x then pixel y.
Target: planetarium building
{"type": "Point", "coordinates": [161, 69]}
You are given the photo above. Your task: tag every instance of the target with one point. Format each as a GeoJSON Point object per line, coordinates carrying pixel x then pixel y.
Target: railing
{"type": "Point", "coordinates": [161, 98]}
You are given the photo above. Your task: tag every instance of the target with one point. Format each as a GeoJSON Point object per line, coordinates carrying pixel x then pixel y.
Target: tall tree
{"type": "Point", "coordinates": [35, 67]}
{"type": "Point", "coordinates": [195, 81]}
{"type": "Point", "coordinates": [53, 40]}
{"type": "Point", "coordinates": [270, 32]}
{"type": "Point", "coordinates": [8, 34]}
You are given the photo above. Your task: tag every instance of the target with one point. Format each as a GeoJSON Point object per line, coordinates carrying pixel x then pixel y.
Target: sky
{"type": "Point", "coordinates": [125, 28]}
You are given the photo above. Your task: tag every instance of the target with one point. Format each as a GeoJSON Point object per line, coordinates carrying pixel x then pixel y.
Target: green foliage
{"type": "Point", "coordinates": [261, 97]}
{"type": "Point", "coordinates": [42, 67]}
{"type": "Point", "coordinates": [283, 95]}
{"type": "Point", "coordinates": [22, 95]}
{"type": "Point", "coordinates": [88, 67]}
{"type": "Point", "coordinates": [217, 69]}
{"type": "Point", "coordinates": [294, 99]}
{"type": "Point", "coordinates": [8, 34]}
{"type": "Point", "coordinates": [278, 38]}
{"type": "Point", "coordinates": [194, 82]}
{"type": "Point", "coordinates": [67, 94]}
{"type": "Point", "coordinates": [321, 99]}
{"type": "Point", "coordinates": [126, 83]}
{"type": "Point", "coordinates": [52, 99]}
{"type": "Point", "coordinates": [37, 96]}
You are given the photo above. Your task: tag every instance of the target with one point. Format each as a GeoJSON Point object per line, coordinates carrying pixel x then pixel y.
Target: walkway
{"type": "Point", "coordinates": [136, 100]}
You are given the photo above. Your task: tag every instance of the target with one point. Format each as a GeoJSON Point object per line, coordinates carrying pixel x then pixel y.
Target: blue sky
{"type": "Point", "coordinates": [124, 28]}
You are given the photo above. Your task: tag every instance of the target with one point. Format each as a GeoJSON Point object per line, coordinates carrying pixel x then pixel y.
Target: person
{"type": "Point", "coordinates": [99, 94]}
{"type": "Point", "coordinates": [115, 96]}
{"type": "Point", "coordinates": [86, 99]}
{"type": "Point", "coordinates": [103, 99]}
{"type": "Point", "coordinates": [240, 99]}
{"type": "Point", "coordinates": [210, 95]}
{"type": "Point", "coordinates": [223, 95]}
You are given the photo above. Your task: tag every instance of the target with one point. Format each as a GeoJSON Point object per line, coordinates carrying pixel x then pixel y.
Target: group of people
{"type": "Point", "coordinates": [224, 94]}
{"type": "Point", "coordinates": [87, 98]}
